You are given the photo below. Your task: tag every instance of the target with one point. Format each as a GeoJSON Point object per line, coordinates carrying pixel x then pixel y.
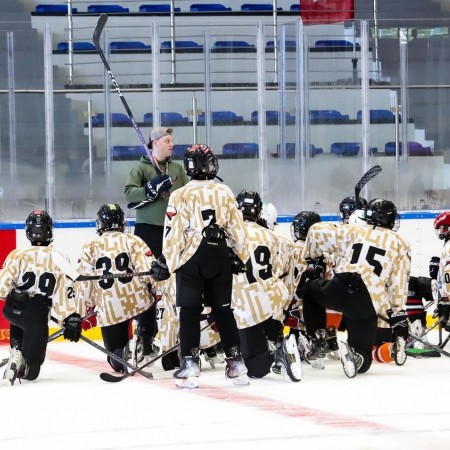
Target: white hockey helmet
{"type": "Point", "coordinates": [268, 216]}
{"type": "Point", "coordinates": [357, 217]}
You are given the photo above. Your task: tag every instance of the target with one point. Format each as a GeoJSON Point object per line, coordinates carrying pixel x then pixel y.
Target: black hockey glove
{"type": "Point", "coordinates": [320, 267]}
{"type": "Point", "coordinates": [156, 186]}
{"type": "Point", "coordinates": [443, 309]}
{"type": "Point", "coordinates": [399, 323]}
{"type": "Point", "coordinates": [159, 270]}
{"type": "Point", "coordinates": [237, 266]}
{"type": "Point", "coordinates": [72, 327]}
{"type": "Point", "coordinates": [434, 267]}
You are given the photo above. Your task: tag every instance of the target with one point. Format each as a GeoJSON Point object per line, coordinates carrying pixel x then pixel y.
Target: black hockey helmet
{"type": "Point", "coordinates": [200, 162]}
{"type": "Point", "coordinates": [382, 213]}
{"type": "Point", "coordinates": [250, 203]}
{"type": "Point", "coordinates": [302, 223]}
{"type": "Point", "coordinates": [348, 206]}
{"type": "Point", "coordinates": [39, 228]}
{"type": "Point", "coordinates": [110, 217]}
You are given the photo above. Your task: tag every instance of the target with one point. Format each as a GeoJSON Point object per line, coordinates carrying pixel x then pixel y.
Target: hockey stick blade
{"type": "Point", "coordinates": [429, 345]}
{"type": "Point", "coordinates": [371, 173]}
{"type": "Point", "coordinates": [110, 378]}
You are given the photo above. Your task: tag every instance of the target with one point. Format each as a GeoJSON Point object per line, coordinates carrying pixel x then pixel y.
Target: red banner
{"type": "Point", "coordinates": [314, 12]}
{"type": "Point", "coordinates": [8, 243]}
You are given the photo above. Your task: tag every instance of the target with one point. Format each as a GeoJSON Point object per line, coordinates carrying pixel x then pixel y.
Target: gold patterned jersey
{"type": "Point", "coordinates": [443, 279]}
{"type": "Point", "coordinates": [192, 208]}
{"type": "Point", "coordinates": [287, 255]}
{"type": "Point", "coordinates": [382, 258]}
{"type": "Point", "coordinates": [259, 293]}
{"type": "Point", "coordinates": [117, 299]}
{"type": "Point", "coordinates": [38, 270]}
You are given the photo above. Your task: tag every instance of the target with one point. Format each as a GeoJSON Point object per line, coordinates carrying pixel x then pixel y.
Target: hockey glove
{"type": "Point", "coordinates": [443, 309]}
{"type": "Point", "coordinates": [237, 266]}
{"type": "Point", "coordinates": [72, 327]}
{"type": "Point", "coordinates": [159, 270]}
{"type": "Point", "coordinates": [320, 267]}
{"type": "Point", "coordinates": [156, 186]}
{"type": "Point", "coordinates": [434, 267]}
{"type": "Point", "coordinates": [399, 323]}
{"type": "Point", "coordinates": [91, 321]}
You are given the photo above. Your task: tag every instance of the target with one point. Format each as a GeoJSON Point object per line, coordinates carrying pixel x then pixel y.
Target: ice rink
{"type": "Point", "coordinates": [70, 407]}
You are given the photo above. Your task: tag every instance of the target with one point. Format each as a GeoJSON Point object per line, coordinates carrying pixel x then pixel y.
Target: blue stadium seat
{"type": "Point", "coordinates": [52, 9]}
{"type": "Point", "coordinates": [77, 46]}
{"type": "Point", "coordinates": [345, 148]}
{"type": "Point", "coordinates": [378, 116]}
{"type": "Point", "coordinates": [182, 46]}
{"type": "Point", "coordinates": [222, 118]}
{"type": "Point", "coordinates": [414, 149]}
{"type": "Point", "coordinates": [179, 150]}
{"type": "Point", "coordinates": [127, 152]}
{"type": "Point", "coordinates": [241, 149]}
{"type": "Point", "coordinates": [272, 118]}
{"type": "Point", "coordinates": [327, 116]}
{"type": "Point", "coordinates": [212, 7]}
{"type": "Point", "coordinates": [233, 45]}
{"type": "Point", "coordinates": [258, 7]}
{"type": "Point", "coordinates": [116, 119]}
{"type": "Point", "coordinates": [289, 45]}
{"type": "Point", "coordinates": [157, 9]}
{"type": "Point", "coordinates": [333, 43]}
{"type": "Point", "coordinates": [173, 118]}
{"type": "Point", "coordinates": [290, 150]}
{"type": "Point", "coordinates": [129, 45]}
{"type": "Point", "coordinates": [295, 7]}
{"type": "Point", "coordinates": [148, 118]}
{"type": "Point", "coordinates": [108, 9]}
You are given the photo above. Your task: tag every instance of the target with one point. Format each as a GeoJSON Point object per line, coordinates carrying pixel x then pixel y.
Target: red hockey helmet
{"type": "Point", "coordinates": [442, 225]}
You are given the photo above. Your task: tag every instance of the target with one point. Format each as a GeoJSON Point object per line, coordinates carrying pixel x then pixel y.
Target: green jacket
{"type": "Point", "coordinates": [152, 213]}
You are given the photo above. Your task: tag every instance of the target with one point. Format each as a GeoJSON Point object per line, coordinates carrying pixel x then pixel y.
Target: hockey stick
{"type": "Point", "coordinates": [109, 276]}
{"type": "Point", "coordinates": [108, 377]}
{"type": "Point", "coordinates": [371, 173]}
{"type": "Point", "coordinates": [96, 39]}
{"type": "Point", "coordinates": [117, 358]}
{"type": "Point", "coordinates": [430, 345]}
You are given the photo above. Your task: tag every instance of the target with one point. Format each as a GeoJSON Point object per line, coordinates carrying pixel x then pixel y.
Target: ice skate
{"type": "Point", "coordinates": [186, 377]}
{"type": "Point", "coordinates": [213, 356]}
{"type": "Point", "coordinates": [14, 368]}
{"type": "Point", "coordinates": [287, 357]}
{"type": "Point", "coordinates": [333, 349]}
{"type": "Point", "coordinates": [235, 367]}
{"type": "Point", "coordinates": [314, 349]}
{"type": "Point", "coordinates": [399, 354]}
{"type": "Point", "coordinates": [350, 360]}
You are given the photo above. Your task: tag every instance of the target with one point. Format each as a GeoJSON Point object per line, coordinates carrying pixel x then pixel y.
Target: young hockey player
{"type": "Point", "coordinates": [372, 270]}
{"type": "Point", "coordinates": [32, 281]}
{"type": "Point", "coordinates": [260, 296]}
{"type": "Point", "coordinates": [201, 217]}
{"type": "Point", "coordinates": [117, 301]}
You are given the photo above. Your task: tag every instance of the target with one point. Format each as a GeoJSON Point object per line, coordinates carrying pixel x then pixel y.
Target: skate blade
{"type": "Point", "coordinates": [241, 380]}
{"type": "Point", "coordinates": [318, 363]}
{"type": "Point", "coordinates": [186, 383]}
{"type": "Point", "coordinates": [4, 382]}
{"type": "Point", "coordinates": [334, 355]}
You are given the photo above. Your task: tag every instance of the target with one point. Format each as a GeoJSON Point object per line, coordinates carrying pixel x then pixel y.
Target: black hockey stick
{"type": "Point", "coordinates": [371, 173]}
{"type": "Point", "coordinates": [96, 39]}
{"type": "Point", "coordinates": [109, 276]}
{"type": "Point", "coordinates": [108, 377]}
{"type": "Point", "coordinates": [117, 358]}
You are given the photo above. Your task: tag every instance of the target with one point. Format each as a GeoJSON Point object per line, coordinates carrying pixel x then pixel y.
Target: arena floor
{"type": "Point", "coordinates": [70, 407]}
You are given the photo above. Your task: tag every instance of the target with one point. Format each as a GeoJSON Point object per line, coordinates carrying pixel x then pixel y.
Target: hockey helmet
{"type": "Point", "coordinates": [268, 216]}
{"type": "Point", "coordinates": [302, 223]}
{"type": "Point", "coordinates": [348, 205]}
{"type": "Point", "coordinates": [110, 217]}
{"type": "Point", "coordinates": [357, 217]}
{"type": "Point", "coordinates": [249, 202]}
{"type": "Point", "coordinates": [200, 162]}
{"type": "Point", "coordinates": [442, 225]}
{"type": "Point", "coordinates": [382, 213]}
{"type": "Point", "coordinates": [39, 228]}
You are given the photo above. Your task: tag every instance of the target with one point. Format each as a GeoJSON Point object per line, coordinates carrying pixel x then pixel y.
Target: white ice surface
{"type": "Point", "coordinates": [70, 407]}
